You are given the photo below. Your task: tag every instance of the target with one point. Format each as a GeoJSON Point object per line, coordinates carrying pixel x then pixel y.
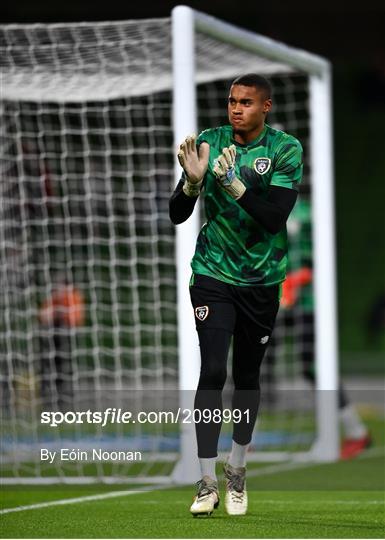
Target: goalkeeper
{"type": "Point", "coordinates": [249, 174]}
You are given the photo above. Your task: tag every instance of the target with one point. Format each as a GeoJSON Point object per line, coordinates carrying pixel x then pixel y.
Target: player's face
{"type": "Point", "coordinates": [247, 109]}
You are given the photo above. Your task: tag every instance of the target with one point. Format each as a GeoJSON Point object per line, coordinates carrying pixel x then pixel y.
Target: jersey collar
{"type": "Point", "coordinates": [254, 141]}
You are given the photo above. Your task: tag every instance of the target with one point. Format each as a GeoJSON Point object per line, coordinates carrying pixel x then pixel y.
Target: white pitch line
{"type": "Point", "coordinates": [291, 466]}
{"type": "Point", "coordinates": [271, 469]}
{"type": "Point", "coordinates": [59, 502]}
{"type": "Point", "coordinates": [277, 502]}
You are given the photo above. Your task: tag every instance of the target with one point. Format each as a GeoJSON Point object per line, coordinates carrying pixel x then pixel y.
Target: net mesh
{"type": "Point", "coordinates": [88, 271]}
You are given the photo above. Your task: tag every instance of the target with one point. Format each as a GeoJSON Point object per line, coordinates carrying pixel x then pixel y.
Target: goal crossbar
{"type": "Point", "coordinates": [268, 48]}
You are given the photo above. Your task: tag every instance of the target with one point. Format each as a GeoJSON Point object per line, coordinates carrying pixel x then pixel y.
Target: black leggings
{"type": "Point", "coordinates": [247, 315]}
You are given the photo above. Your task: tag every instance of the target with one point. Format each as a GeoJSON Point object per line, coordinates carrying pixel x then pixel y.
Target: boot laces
{"type": "Point", "coordinates": [235, 482]}
{"type": "Point", "coordinates": [204, 489]}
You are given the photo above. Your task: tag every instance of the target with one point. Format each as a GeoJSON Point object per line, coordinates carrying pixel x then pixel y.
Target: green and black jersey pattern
{"type": "Point", "coordinates": [299, 228]}
{"type": "Point", "coordinates": [232, 246]}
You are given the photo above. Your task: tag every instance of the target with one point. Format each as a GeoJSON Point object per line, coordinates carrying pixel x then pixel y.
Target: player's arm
{"type": "Point", "coordinates": [181, 206]}
{"type": "Point", "coordinates": [185, 195]}
{"type": "Point", "coordinates": [270, 212]}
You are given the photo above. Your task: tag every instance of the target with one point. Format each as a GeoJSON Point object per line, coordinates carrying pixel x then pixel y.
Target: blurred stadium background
{"type": "Point", "coordinates": [352, 39]}
{"type": "Point", "coordinates": [359, 110]}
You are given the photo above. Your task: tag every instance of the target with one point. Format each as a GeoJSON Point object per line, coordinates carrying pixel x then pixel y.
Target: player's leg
{"type": "Point", "coordinates": [214, 347]}
{"type": "Point", "coordinates": [257, 309]}
{"type": "Point", "coordinates": [214, 316]}
{"type": "Point", "coordinates": [256, 313]}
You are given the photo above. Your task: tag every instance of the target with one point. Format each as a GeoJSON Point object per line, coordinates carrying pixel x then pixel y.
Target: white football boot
{"type": "Point", "coordinates": [207, 497]}
{"type": "Point", "coordinates": [236, 494]}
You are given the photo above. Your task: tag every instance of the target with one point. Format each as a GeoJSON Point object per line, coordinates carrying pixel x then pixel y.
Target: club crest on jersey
{"type": "Point", "coordinates": [262, 165]}
{"type": "Point", "coordinates": [201, 312]}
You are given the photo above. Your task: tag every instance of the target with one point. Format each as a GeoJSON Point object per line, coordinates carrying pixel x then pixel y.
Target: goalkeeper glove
{"type": "Point", "coordinates": [224, 170]}
{"type": "Point", "coordinates": [194, 164]}
{"type": "Point", "coordinates": [191, 189]}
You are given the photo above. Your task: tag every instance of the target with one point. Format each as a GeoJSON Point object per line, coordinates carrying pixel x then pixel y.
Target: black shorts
{"type": "Point", "coordinates": [220, 305]}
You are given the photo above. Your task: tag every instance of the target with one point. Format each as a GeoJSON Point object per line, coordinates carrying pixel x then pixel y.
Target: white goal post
{"type": "Point", "coordinates": [92, 114]}
{"type": "Point", "coordinates": [186, 22]}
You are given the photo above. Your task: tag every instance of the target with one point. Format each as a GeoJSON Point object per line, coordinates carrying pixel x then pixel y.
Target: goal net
{"type": "Point", "coordinates": [88, 295]}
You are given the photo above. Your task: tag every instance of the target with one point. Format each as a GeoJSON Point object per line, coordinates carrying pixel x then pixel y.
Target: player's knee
{"type": "Point", "coordinates": [212, 377]}
{"type": "Point", "coordinates": [248, 381]}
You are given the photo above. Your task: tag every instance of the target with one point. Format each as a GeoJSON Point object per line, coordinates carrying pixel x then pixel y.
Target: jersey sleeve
{"type": "Point", "coordinates": [289, 166]}
{"type": "Point", "coordinates": [204, 136]}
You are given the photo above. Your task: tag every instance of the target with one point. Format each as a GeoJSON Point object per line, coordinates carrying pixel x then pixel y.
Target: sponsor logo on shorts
{"type": "Point", "coordinates": [262, 165]}
{"type": "Point", "coordinates": [201, 312]}
{"type": "Point", "coordinates": [264, 340]}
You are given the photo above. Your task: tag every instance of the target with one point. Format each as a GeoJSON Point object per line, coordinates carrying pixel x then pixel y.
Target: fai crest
{"type": "Point", "coordinates": [264, 340]}
{"type": "Point", "coordinates": [201, 312]}
{"type": "Point", "coordinates": [262, 165]}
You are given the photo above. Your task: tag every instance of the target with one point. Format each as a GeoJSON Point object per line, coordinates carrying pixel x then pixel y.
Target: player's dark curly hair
{"type": "Point", "coordinates": [259, 82]}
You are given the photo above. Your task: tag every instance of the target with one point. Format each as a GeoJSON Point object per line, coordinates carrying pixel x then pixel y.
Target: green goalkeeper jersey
{"type": "Point", "coordinates": [299, 227]}
{"type": "Point", "coordinates": [231, 246]}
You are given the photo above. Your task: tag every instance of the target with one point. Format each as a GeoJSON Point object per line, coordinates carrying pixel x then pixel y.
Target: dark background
{"type": "Point", "coordinates": [353, 39]}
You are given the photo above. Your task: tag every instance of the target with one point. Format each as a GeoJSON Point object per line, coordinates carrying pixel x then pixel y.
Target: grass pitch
{"type": "Point", "coordinates": [321, 501]}
{"type": "Point", "coordinates": [340, 500]}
